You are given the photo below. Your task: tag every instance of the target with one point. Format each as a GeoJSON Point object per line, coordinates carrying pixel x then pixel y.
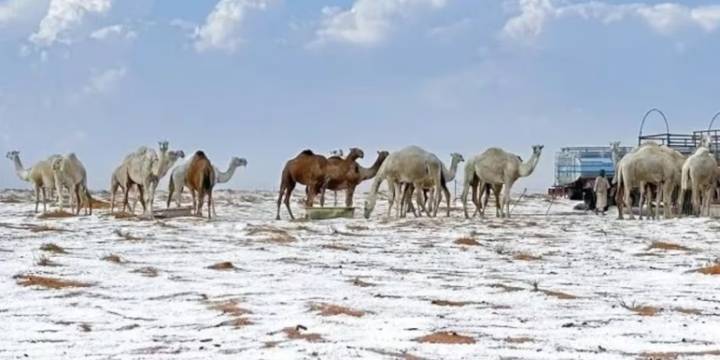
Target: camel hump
{"type": "Point", "coordinates": [307, 152]}
{"type": "Point", "coordinates": [200, 154]}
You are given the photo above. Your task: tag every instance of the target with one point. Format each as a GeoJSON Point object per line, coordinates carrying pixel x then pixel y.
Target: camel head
{"type": "Point", "coordinates": [356, 153]}
{"type": "Point", "coordinates": [457, 157]}
{"type": "Point", "coordinates": [537, 149]}
{"type": "Point", "coordinates": [382, 155]}
{"type": "Point", "coordinates": [705, 141]}
{"type": "Point", "coordinates": [12, 155]}
{"type": "Point", "coordinates": [164, 146]}
{"type": "Point", "coordinates": [56, 164]}
{"type": "Point", "coordinates": [175, 155]}
{"type": "Point", "coordinates": [337, 152]}
{"type": "Point", "coordinates": [237, 162]}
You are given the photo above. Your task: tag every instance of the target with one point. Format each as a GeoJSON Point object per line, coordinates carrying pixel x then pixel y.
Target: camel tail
{"type": "Point", "coordinates": [685, 180]}
{"type": "Point", "coordinates": [207, 182]}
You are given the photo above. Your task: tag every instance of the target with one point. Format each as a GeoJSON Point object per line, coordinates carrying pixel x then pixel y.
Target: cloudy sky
{"type": "Point", "coordinates": [264, 79]}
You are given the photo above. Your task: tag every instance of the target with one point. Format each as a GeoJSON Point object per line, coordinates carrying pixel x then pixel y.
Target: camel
{"type": "Point", "coordinates": [70, 173]}
{"type": "Point", "coordinates": [497, 167]}
{"type": "Point", "coordinates": [472, 182]}
{"type": "Point", "coordinates": [307, 169]}
{"type": "Point", "coordinates": [40, 175]}
{"type": "Point", "coordinates": [200, 178]}
{"type": "Point", "coordinates": [448, 175]}
{"type": "Point", "coordinates": [161, 165]}
{"type": "Point", "coordinates": [411, 165]}
{"type": "Point", "coordinates": [340, 172]}
{"type": "Point", "coordinates": [177, 183]}
{"type": "Point", "coordinates": [649, 164]}
{"type": "Point", "coordinates": [699, 175]}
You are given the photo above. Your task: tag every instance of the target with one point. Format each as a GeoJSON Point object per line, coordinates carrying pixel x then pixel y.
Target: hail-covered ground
{"type": "Point", "coordinates": [564, 285]}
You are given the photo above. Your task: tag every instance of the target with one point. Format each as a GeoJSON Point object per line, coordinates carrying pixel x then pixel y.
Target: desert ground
{"type": "Point", "coordinates": [566, 285]}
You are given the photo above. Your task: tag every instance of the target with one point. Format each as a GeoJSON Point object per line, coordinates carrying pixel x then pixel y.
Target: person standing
{"type": "Point", "coordinates": [602, 185]}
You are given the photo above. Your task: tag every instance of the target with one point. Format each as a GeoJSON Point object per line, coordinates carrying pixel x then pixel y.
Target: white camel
{"type": "Point", "coordinates": [70, 173]}
{"type": "Point", "coordinates": [40, 175]}
{"type": "Point", "coordinates": [411, 165]}
{"type": "Point", "coordinates": [496, 167]}
{"type": "Point", "coordinates": [699, 175]}
{"type": "Point", "coordinates": [143, 168]}
{"type": "Point", "coordinates": [177, 180]}
{"type": "Point", "coordinates": [649, 164]}
{"type": "Point", "coordinates": [448, 175]}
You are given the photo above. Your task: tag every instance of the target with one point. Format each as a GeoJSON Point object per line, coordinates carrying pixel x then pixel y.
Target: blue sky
{"type": "Point", "coordinates": [264, 79]}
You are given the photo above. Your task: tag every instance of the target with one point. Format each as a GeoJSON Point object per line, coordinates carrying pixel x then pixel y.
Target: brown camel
{"type": "Point", "coordinates": [308, 169]}
{"type": "Point", "coordinates": [200, 178]}
{"type": "Point", "coordinates": [346, 174]}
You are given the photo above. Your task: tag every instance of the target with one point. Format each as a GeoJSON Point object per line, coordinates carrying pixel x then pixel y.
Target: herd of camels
{"type": "Point", "coordinates": [409, 172]}
{"type": "Point", "coordinates": [140, 170]}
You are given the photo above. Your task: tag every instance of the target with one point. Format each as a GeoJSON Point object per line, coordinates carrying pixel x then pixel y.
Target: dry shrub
{"type": "Point", "coordinates": [271, 234]}
{"type": "Point", "coordinates": [335, 310]}
{"type": "Point", "coordinates": [126, 235]}
{"type": "Point", "coordinates": [450, 303]}
{"type": "Point", "coordinates": [709, 270]}
{"type": "Point", "coordinates": [45, 261]}
{"type": "Point", "coordinates": [225, 265]}
{"type": "Point", "coordinates": [297, 333]}
{"type": "Point", "coordinates": [506, 288]}
{"type": "Point", "coordinates": [48, 282]}
{"type": "Point", "coordinates": [688, 311]}
{"type": "Point", "coordinates": [526, 257]}
{"type": "Point", "coordinates": [44, 228]}
{"type": "Point", "coordinates": [55, 215]}
{"type": "Point", "coordinates": [357, 227]}
{"type": "Point", "coordinates": [233, 310]}
{"type": "Point", "coordinates": [445, 337]}
{"type": "Point", "coordinates": [360, 283]}
{"type": "Point", "coordinates": [661, 245]}
{"type": "Point", "coordinates": [467, 241]}
{"type": "Point", "coordinates": [50, 247]}
{"type": "Point", "coordinates": [100, 204]}
{"type": "Point", "coordinates": [123, 215]}
{"type": "Point", "coordinates": [147, 271]}
{"type": "Point", "coordinates": [677, 355]}
{"type": "Point", "coordinates": [395, 355]}
{"type": "Point", "coordinates": [519, 340]}
{"type": "Point", "coordinates": [558, 294]}
{"type": "Point", "coordinates": [335, 247]}
{"type": "Point", "coordinates": [642, 310]}
{"type": "Point", "coordinates": [113, 258]}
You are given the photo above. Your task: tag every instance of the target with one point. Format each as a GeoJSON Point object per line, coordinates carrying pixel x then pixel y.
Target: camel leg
{"type": "Point", "coordinates": [310, 201]}
{"type": "Point", "coordinates": [681, 201]}
{"type": "Point", "coordinates": [37, 198]}
{"type": "Point", "coordinates": [405, 203]}
{"type": "Point", "coordinates": [446, 191]}
{"type": "Point", "coordinates": [44, 199]}
{"type": "Point", "coordinates": [288, 192]}
{"type": "Point", "coordinates": [666, 206]}
{"type": "Point", "coordinates": [391, 197]}
{"type": "Point", "coordinates": [210, 204]}
{"type": "Point", "coordinates": [125, 198]}
{"type": "Point", "coordinates": [695, 200]}
{"type": "Point", "coordinates": [76, 194]}
{"type": "Point", "coordinates": [643, 188]}
{"type": "Point", "coordinates": [349, 193]}
{"type": "Point", "coordinates": [628, 201]}
{"type": "Point", "coordinates": [464, 196]}
{"type": "Point", "coordinates": [141, 191]}
{"type": "Point", "coordinates": [171, 190]}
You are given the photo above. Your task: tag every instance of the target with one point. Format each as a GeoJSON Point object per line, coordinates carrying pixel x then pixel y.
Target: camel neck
{"type": "Point", "coordinates": [528, 167]}
{"type": "Point", "coordinates": [367, 173]}
{"type": "Point", "coordinates": [21, 172]}
{"type": "Point", "coordinates": [223, 177]}
{"type": "Point", "coordinates": [450, 176]}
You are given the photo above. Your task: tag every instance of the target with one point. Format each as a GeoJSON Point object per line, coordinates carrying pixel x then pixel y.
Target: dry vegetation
{"type": "Point", "coordinates": [48, 282]}
{"type": "Point", "coordinates": [55, 215]}
{"type": "Point", "coordinates": [232, 309]}
{"type": "Point", "coordinates": [445, 337]}
{"type": "Point", "coordinates": [450, 303]}
{"type": "Point", "coordinates": [225, 265]}
{"type": "Point", "coordinates": [661, 245]}
{"type": "Point", "coordinates": [467, 241]}
{"type": "Point", "coordinates": [270, 234]}
{"type": "Point", "coordinates": [113, 258]}
{"type": "Point", "coordinates": [147, 271]}
{"type": "Point", "coordinates": [298, 333]}
{"type": "Point", "coordinates": [709, 270]}
{"type": "Point", "coordinates": [335, 310]}
{"type": "Point", "coordinates": [642, 310]}
{"type": "Point", "coordinates": [526, 257]}
{"type": "Point", "coordinates": [50, 247]}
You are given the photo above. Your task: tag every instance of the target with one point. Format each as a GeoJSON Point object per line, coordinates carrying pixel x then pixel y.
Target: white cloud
{"type": "Point", "coordinates": [105, 81]}
{"type": "Point", "coordinates": [63, 15]}
{"type": "Point", "coordinates": [367, 22]}
{"type": "Point", "coordinates": [20, 10]}
{"type": "Point", "coordinates": [665, 18]}
{"type": "Point", "coordinates": [117, 30]}
{"type": "Point", "coordinates": [221, 28]}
